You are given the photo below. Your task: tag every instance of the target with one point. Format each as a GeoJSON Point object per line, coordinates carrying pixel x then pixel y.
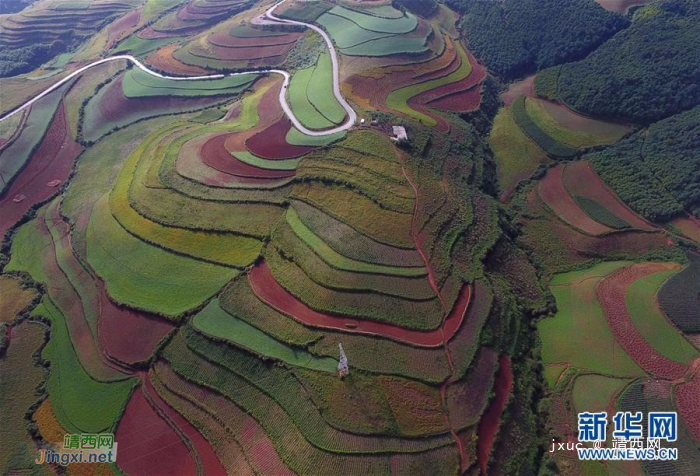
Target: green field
{"type": "Point", "coordinates": [392, 45]}
{"type": "Point", "coordinates": [398, 99]}
{"type": "Point", "coordinates": [404, 24]}
{"type": "Point", "coordinates": [252, 159]}
{"type": "Point", "coordinates": [320, 90]}
{"type": "Point", "coordinates": [330, 256]}
{"type": "Point", "coordinates": [654, 327]}
{"type": "Point", "coordinates": [537, 111]}
{"type": "Point", "coordinates": [547, 142]}
{"type": "Point", "coordinates": [20, 376]}
{"type": "Point", "coordinates": [345, 33]}
{"type": "Point", "coordinates": [220, 248]}
{"type": "Point", "coordinates": [594, 393]}
{"type": "Point", "coordinates": [16, 155]}
{"type": "Point", "coordinates": [217, 323]}
{"type": "Point", "coordinates": [516, 155]}
{"type": "Point", "coordinates": [294, 137]}
{"type": "Point", "coordinates": [138, 83]}
{"type": "Point", "coordinates": [579, 334]}
{"type": "Point", "coordinates": [600, 214]}
{"type": "Point", "coordinates": [82, 404]}
{"type": "Point", "coordinates": [157, 280]}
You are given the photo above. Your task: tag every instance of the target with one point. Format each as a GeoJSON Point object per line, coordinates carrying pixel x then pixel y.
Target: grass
{"type": "Point", "coordinates": [82, 404]}
{"type": "Point", "coordinates": [594, 393]}
{"type": "Point", "coordinates": [217, 323]}
{"type": "Point", "coordinates": [509, 143]}
{"type": "Point", "coordinates": [16, 155]}
{"type": "Point", "coordinates": [144, 276]}
{"type": "Point", "coordinates": [404, 24]}
{"type": "Point", "coordinates": [20, 376]}
{"type": "Point", "coordinates": [579, 334]}
{"type": "Point", "coordinates": [541, 137]}
{"type": "Point", "coordinates": [537, 111]}
{"type": "Point", "coordinates": [335, 259]}
{"type": "Point", "coordinates": [600, 214]}
{"type": "Point", "coordinates": [138, 83]}
{"type": "Point", "coordinates": [14, 298]}
{"type": "Point", "coordinates": [656, 329]}
{"type": "Point", "coordinates": [320, 90]}
{"type": "Point", "coordinates": [398, 99]}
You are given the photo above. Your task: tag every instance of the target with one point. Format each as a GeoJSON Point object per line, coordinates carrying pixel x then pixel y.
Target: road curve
{"type": "Point", "coordinates": [271, 19]}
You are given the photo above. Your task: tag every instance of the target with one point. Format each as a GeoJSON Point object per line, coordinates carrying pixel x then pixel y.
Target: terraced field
{"type": "Point", "coordinates": [216, 247]}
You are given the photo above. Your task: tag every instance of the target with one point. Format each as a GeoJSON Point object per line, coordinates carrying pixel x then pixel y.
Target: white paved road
{"type": "Point", "coordinates": [270, 18]}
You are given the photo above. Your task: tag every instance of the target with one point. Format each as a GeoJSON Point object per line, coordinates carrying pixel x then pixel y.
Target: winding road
{"type": "Point", "coordinates": [267, 19]}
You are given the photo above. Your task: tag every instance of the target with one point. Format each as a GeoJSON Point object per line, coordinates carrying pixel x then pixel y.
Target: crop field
{"type": "Point", "coordinates": [20, 377]}
{"type": "Point", "coordinates": [590, 344]}
{"type": "Point", "coordinates": [654, 327]}
{"type": "Point", "coordinates": [16, 155]}
{"type": "Point", "coordinates": [516, 155]}
{"type": "Point", "coordinates": [553, 120]}
{"type": "Point", "coordinates": [549, 143]}
{"type": "Point", "coordinates": [227, 254]}
{"type": "Point", "coordinates": [554, 194]}
{"type": "Point", "coordinates": [15, 298]}
{"type": "Point", "coordinates": [676, 297]}
{"type": "Point", "coordinates": [595, 393]}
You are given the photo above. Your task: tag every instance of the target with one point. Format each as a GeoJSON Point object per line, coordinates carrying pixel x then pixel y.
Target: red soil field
{"type": "Point", "coordinates": [620, 6]}
{"type": "Point", "coordinates": [189, 164]}
{"type": "Point", "coordinates": [53, 160]}
{"type": "Point", "coordinates": [552, 191]}
{"type": "Point", "coordinates": [580, 179]}
{"type": "Point", "coordinates": [461, 101]}
{"type": "Point", "coordinates": [611, 292]}
{"type": "Point", "coordinates": [147, 444]}
{"type": "Point", "coordinates": [274, 295]}
{"type": "Point", "coordinates": [163, 59]}
{"type": "Point", "coordinates": [114, 106]}
{"type": "Point", "coordinates": [272, 142]}
{"type": "Point", "coordinates": [207, 455]}
{"type": "Point", "coordinates": [687, 400]}
{"type": "Point", "coordinates": [149, 33]}
{"type": "Point", "coordinates": [125, 334]}
{"type": "Point", "coordinates": [243, 54]}
{"type": "Point", "coordinates": [258, 446]}
{"type": "Point", "coordinates": [228, 41]}
{"type": "Point", "coordinates": [525, 87]}
{"type": "Point", "coordinates": [117, 29]}
{"type": "Point", "coordinates": [476, 76]}
{"type": "Point", "coordinates": [214, 154]}
{"type": "Point", "coordinates": [491, 419]}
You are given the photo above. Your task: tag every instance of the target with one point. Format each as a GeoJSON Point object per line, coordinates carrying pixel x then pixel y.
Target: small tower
{"type": "Point", "coordinates": [343, 369]}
